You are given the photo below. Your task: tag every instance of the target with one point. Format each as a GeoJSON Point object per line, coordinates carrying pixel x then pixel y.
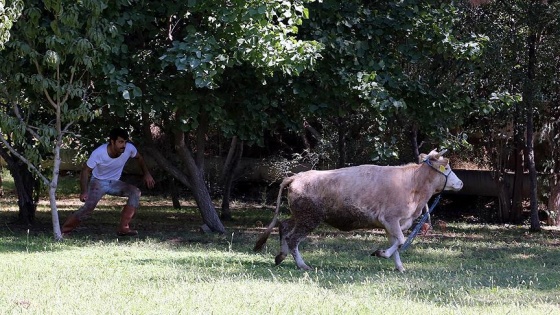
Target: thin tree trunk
{"type": "Point", "coordinates": [529, 98]}
{"type": "Point", "coordinates": [1, 182]}
{"type": "Point", "coordinates": [230, 165]}
{"type": "Point", "coordinates": [516, 213]}
{"type": "Point", "coordinates": [313, 131]}
{"type": "Point", "coordinates": [167, 166]}
{"type": "Point", "coordinates": [52, 192]}
{"type": "Point", "coordinates": [156, 153]}
{"type": "Point", "coordinates": [504, 199]}
{"type": "Point", "coordinates": [175, 194]}
{"type": "Point", "coordinates": [554, 201]}
{"type": "Point", "coordinates": [414, 141]}
{"type": "Point", "coordinates": [341, 142]}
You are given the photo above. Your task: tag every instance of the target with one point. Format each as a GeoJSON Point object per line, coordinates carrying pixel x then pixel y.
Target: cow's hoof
{"type": "Point", "coordinates": [305, 267]}
{"type": "Point", "coordinates": [399, 269]}
{"type": "Point", "coordinates": [379, 253]}
{"type": "Point", "coordinates": [279, 259]}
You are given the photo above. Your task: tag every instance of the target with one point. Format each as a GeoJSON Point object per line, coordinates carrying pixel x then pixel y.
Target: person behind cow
{"type": "Point", "coordinates": [106, 164]}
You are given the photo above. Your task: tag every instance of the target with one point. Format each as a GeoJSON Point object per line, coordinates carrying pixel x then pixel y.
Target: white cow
{"type": "Point", "coordinates": [366, 196]}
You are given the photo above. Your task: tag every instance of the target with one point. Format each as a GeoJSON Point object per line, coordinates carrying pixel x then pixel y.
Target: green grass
{"type": "Point", "coordinates": [171, 268]}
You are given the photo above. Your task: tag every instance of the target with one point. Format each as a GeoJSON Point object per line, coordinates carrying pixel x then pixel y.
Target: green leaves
{"type": "Point", "coordinates": [259, 34]}
{"type": "Point", "coordinates": [8, 14]}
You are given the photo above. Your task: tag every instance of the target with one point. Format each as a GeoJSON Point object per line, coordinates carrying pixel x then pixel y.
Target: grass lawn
{"type": "Point", "coordinates": [171, 268]}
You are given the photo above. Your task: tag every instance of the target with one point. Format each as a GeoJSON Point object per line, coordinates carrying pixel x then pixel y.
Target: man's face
{"type": "Point", "coordinates": [118, 145]}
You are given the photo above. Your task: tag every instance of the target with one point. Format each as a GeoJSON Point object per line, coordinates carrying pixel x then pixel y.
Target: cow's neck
{"type": "Point", "coordinates": [431, 180]}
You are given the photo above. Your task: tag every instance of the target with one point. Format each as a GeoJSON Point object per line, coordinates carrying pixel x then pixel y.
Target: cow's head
{"type": "Point", "coordinates": [440, 164]}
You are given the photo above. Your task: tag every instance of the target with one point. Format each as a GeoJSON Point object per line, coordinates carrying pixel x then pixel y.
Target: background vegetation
{"type": "Point", "coordinates": [323, 84]}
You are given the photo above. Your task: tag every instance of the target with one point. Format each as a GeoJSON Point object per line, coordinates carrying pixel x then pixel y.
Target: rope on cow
{"type": "Point", "coordinates": [419, 225]}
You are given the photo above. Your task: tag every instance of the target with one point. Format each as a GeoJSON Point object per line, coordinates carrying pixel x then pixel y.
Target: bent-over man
{"type": "Point", "coordinates": [105, 165]}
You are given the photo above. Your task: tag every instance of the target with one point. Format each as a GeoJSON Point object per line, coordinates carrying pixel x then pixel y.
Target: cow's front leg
{"type": "Point", "coordinates": [396, 239]}
{"type": "Point", "coordinates": [398, 263]}
{"type": "Point", "coordinates": [391, 251]}
{"type": "Point", "coordinates": [386, 253]}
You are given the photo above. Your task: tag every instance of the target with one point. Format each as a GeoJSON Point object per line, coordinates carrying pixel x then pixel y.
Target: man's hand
{"type": "Point", "coordinates": [83, 197]}
{"type": "Point", "coordinates": [149, 181]}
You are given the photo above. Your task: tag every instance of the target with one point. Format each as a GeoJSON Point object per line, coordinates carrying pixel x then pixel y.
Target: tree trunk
{"type": "Point", "coordinates": [516, 213]}
{"type": "Point", "coordinates": [341, 143]}
{"type": "Point", "coordinates": [175, 194]}
{"type": "Point", "coordinates": [528, 97]}
{"type": "Point", "coordinates": [554, 201]}
{"type": "Point", "coordinates": [414, 142]}
{"type": "Point", "coordinates": [168, 166]}
{"type": "Point", "coordinates": [192, 178]}
{"type": "Point", "coordinates": [1, 182]}
{"type": "Point", "coordinates": [198, 186]}
{"type": "Point", "coordinates": [504, 198]}
{"type": "Point", "coordinates": [230, 165]}
{"type": "Point", "coordinates": [25, 183]}
{"type": "Point", "coordinates": [535, 223]}
{"type": "Point", "coordinates": [52, 191]}
{"type": "Point", "coordinates": [313, 131]}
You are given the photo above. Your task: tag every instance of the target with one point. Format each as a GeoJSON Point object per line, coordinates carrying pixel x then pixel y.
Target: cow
{"type": "Point", "coordinates": [359, 197]}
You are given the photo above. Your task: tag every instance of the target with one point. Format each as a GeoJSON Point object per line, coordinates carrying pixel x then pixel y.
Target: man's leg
{"type": "Point", "coordinates": [119, 188]}
{"type": "Point", "coordinates": [95, 192]}
{"type": "Point", "coordinates": [126, 216]}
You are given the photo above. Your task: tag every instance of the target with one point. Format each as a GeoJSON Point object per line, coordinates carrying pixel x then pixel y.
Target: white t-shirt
{"type": "Point", "coordinates": [105, 167]}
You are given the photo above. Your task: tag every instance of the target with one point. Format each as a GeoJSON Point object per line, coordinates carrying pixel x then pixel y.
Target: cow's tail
{"type": "Point", "coordinates": [262, 239]}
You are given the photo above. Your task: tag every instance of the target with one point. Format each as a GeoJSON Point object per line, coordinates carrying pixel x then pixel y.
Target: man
{"type": "Point", "coordinates": [106, 164]}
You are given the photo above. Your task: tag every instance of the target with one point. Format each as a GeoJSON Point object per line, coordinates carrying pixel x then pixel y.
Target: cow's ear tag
{"type": "Point", "coordinates": [442, 168]}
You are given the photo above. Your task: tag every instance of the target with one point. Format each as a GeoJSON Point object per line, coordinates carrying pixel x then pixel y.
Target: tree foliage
{"type": "Point", "coordinates": [9, 12]}
{"type": "Point", "coordinates": [389, 68]}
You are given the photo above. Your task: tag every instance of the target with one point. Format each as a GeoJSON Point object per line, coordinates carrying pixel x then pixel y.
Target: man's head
{"type": "Point", "coordinates": [118, 132]}
{"type": "Point", "coordinates": [117, 141]}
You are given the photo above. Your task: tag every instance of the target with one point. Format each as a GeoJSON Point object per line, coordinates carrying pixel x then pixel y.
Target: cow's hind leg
{"type": "Point", "coordinates": [285, 230]}
{"type": "Point", "coordinates": [293, 244]}
{"type": "Point", "coordinates": [291, 235]}
{"type": "Point", "coordinates": [307, 217]}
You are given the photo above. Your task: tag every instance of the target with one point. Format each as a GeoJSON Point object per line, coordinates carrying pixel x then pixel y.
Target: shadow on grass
{"type": "Point", "coordinates": [463, 257]}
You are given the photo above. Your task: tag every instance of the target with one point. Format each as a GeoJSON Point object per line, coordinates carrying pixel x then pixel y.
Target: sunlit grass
{"type": "Point", "coordinates": [201, 274]}
{"type": "Point", "coordinates": [171, 268]}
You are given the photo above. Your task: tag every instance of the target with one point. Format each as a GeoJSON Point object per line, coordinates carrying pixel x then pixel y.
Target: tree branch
{"type": "Point", "coordinates": [47, 95]}
{"type": "Point", "coordinates": [24, 160]}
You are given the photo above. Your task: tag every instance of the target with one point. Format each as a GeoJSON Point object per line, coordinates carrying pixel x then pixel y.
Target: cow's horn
{"type": "Point", "coordinates": [443, 152]}
{"type": "Point", "coordinates": [433, 154]}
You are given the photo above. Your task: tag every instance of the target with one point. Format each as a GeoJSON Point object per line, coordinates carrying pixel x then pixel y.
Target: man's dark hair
{"type": "Point", "coordinates": [118, 132]}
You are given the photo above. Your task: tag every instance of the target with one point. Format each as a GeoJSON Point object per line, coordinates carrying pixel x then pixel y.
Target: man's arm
{"type": "Point", "coordinates": [148, 179]}
{"type": "Point", "coordinates": [84, 179]}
